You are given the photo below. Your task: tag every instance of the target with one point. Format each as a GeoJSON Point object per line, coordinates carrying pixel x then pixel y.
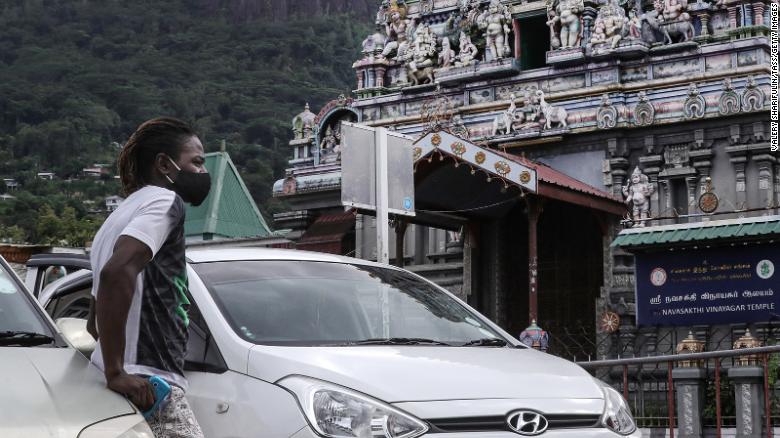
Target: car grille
{"type": "Point", "coordinates": [498, 423]}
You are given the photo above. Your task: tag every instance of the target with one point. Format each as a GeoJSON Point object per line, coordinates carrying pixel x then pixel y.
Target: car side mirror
{"type": "Point", "coordinates": [75, 332]}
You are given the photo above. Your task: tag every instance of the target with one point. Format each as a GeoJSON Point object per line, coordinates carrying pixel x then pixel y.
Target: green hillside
{"type": "Point", "coordinates": [77, 76]}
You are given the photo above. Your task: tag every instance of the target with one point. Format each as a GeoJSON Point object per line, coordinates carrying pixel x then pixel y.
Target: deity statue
{"type": "Point", "coordinates": [468, 51]}
{"type": "Point", "coordinates": [330, 146]}
{"type": "Point", "coordinates": [609, 27]}
{"type": "Point", "coordinates": [676, 10]}
{"type": "Point", "coordinates": [599, 35]}
{"type": "Point", "coordinates": [552, 20]}
{"type": "Point", "coordinates": [567, 18]}
{"type": "Point", "coordinates": [423, 56]}
{"type": "Point", "coordinates": [446, 55]}
{"type": "Point", "coordinates": [670, 19]}
{"type": "Point", "coordinates": [465, 18]}
{"type": "Point", "coordinates": [495, 22]}
{"type": "Point", "coordinates": [637, 194]}
{"type": "Point", "coordinates": [634, 25]}
{"type": "Point", "coordinates": [396, 29]}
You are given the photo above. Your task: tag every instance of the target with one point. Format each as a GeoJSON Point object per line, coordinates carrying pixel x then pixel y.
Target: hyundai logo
{"type": "Point", "coordinates": [527, 422]}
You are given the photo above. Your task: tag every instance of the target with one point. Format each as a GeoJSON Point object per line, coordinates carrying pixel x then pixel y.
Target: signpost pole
{"type": "Point", "coordinates": [382, 217]}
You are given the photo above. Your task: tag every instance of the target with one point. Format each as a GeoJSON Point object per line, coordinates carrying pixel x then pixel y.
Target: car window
{"type": "Point", "coordinates": [16, 311]}
{"type": "Point", "coordinates": [316, 303]}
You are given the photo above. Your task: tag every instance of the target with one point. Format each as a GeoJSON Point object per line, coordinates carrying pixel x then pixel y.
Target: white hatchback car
{"type": "Point", "coordinates": [296, 344]}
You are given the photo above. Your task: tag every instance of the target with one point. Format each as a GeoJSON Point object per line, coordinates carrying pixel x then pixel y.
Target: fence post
{"type": "Point", "coordinates": [689, 391]}
{"type": "Point", "coordinates": [689, 382]}
{"type": "Point", "coordinates": [748, 378]}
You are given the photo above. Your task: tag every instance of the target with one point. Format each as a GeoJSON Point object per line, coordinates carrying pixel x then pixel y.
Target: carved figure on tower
{"type": "Point", "coordinates": [330, 146]}
{"type": "Point", "coordinates": [424, 56]}
{"type": "Point", "coordinates": [637, 194]}
{"type": "Point", "coordinates": [446, 55]}
{"type": "Point", "coordinates": [670, 20]}
{"type": "Point", "coordinates": [634, 25]}
{"type": "Point", "coordinates": [396, 29]}
{"type": "Point", "coordinates": [552, 23]}
{"type": "Point", "coordinates": [495, 24]}
{"type": "Point", "coordinates": [609, 28]}
{"type": "Point", "coordinates": [464, 19]}
{"type": "Point", "coordinates": [566, 21]}
{"type": "Point", "coordinates": [468, 51]}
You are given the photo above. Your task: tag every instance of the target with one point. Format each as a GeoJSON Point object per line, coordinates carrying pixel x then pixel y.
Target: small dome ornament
{"type": "Point", "coordinates": [747, 341]}
{"type": "Point", "coordinates": [690, 345]}
{"type": "Point", "coordinates": [535, 337]}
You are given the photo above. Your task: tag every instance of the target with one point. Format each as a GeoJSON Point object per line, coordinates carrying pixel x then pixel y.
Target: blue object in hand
{"type": "Point", "coordinates": [161, 390]}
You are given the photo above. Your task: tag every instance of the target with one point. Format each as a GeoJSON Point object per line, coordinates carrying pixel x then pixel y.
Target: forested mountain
{"type": "Point", "coordinates": [77, 77]}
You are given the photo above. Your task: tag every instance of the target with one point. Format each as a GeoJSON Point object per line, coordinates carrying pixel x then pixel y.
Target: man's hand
{"type": "Point", "coordinates": [137, 389]}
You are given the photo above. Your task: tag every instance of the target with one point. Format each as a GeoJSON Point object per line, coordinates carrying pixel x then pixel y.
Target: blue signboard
{"type": "Point", "coordinates": [708, 286]}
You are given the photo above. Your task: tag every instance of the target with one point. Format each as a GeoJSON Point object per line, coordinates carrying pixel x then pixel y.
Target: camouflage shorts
{"type": "Point", "coordinates": [175, 419]}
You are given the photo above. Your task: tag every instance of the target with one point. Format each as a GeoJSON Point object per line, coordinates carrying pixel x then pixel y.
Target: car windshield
{"type": "Point", "coordinates": [320, 303]}
{"type": "Point", "coordinates": [18, 319]}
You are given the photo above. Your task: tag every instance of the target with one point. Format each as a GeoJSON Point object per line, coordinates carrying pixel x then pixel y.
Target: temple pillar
{"type": "Point", "coordinates": [380, 76]}
{"type": "Point", "coordinates": [758, 13]}
{"type": "Point", "coordinates": [360, 82]}
{"type": "Point", "coordinates": [733, 16]}
{"type": "Point", "coordinates": [765, 179]}
{"type": "Point", "coordinates": [534, 211]}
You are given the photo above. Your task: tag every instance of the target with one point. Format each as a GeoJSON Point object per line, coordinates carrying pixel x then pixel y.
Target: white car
{"type": "Point", "coordinates": [295, 344]}
{"type": "Point", "coordinates": [48, 389]}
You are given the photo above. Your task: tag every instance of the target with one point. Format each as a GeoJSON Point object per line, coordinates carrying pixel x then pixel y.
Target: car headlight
{"type": "Point", "coordinates": [128, 426]}
{"type": "Point", "coordinates": [337, 412]}
{"type": "Point", "coordinates": [617, 415]}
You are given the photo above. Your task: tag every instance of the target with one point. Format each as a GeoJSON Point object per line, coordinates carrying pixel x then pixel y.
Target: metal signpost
{"type": "Point", "coordinates": [377, 174]}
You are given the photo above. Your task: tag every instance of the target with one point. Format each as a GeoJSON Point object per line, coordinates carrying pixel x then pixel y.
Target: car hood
{"type": "Point", "coordinates": [52, 392]}
{"type": "Point", "coordinates": [422, 373]}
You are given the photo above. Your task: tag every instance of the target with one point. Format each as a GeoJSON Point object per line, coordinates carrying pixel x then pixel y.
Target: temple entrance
{"type": "Point", "coordinates": [499, 248]}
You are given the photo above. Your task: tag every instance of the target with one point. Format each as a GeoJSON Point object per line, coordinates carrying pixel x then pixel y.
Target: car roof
{"type": "Point", "coordinates": [56, 259]}
{"type": "Point", "coordinates": [198, 255]}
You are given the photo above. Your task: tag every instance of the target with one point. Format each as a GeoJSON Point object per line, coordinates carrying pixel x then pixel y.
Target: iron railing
{"type": "Point", "coordinates": [646, 383]}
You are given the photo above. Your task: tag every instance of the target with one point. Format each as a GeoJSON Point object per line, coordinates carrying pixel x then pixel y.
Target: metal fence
{"type": "Point", "coordinates": [647, 384]}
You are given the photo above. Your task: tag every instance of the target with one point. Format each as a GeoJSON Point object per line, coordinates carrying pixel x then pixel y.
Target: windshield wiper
{"type": "Point", "coordinates": [396, 341]}
{"type": "Point", "coordinates": [24, 339]}
{"type": "Point", "coordinates": [485, 342]}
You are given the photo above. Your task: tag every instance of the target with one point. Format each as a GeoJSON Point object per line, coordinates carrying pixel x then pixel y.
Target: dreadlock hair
{"type": "Point", "coordinates": [161, 135]}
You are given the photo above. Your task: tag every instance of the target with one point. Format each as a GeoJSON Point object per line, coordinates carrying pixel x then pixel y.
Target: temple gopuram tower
{"type": "Point", "coordinates": [591, 164]}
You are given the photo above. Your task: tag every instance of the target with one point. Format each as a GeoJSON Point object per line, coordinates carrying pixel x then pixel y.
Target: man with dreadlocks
{"type": "Point", "coordinates": [140, 280]}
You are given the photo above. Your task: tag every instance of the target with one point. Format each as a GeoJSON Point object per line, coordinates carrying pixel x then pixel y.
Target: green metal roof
{"type": "Point", "coordinates": [229, 210]}
{"type": "Point", "coordinates": [729, 229]}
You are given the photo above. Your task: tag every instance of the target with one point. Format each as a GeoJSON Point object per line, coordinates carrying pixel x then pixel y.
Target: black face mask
{"type": "Point", "coordinates": [193, 187]}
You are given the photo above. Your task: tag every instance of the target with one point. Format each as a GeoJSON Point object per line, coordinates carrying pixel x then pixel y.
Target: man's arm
{"type": "Point", "coordinates": [114, 297]}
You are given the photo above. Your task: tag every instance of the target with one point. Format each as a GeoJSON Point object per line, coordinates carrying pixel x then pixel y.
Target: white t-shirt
{"type": "Point", "coordinates": [156, 331]}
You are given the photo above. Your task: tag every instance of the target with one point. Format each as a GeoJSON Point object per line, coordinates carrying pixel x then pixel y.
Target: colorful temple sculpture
{"type": "Point", "coordinates": [643, 129]}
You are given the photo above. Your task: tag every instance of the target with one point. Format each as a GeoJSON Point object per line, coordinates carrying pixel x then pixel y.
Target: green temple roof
{"type": "Point", "coordinates": [755, 228]}
{"type": "Point", "coordinates": [229, 210]}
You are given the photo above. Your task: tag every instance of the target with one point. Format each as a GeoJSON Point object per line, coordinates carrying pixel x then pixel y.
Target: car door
{"type": "Point", "coordinates": [41, 267]}
{"type": "Point", "coordinates": [212, 389]}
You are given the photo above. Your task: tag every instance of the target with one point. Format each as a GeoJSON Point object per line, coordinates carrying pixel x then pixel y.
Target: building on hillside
{"type": "Point", "coordinates": [112, 202]}
{"type": "Point", "coordinates": [11, 184]}
{"type": "Point", "coordinates": [47, 176]}
{"type": "Point", "coordinates": [229, 212]}
{"type": "Point", "coordinates": [567, 152]}
{"type": "Point", "coordinates": [95, 172]}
